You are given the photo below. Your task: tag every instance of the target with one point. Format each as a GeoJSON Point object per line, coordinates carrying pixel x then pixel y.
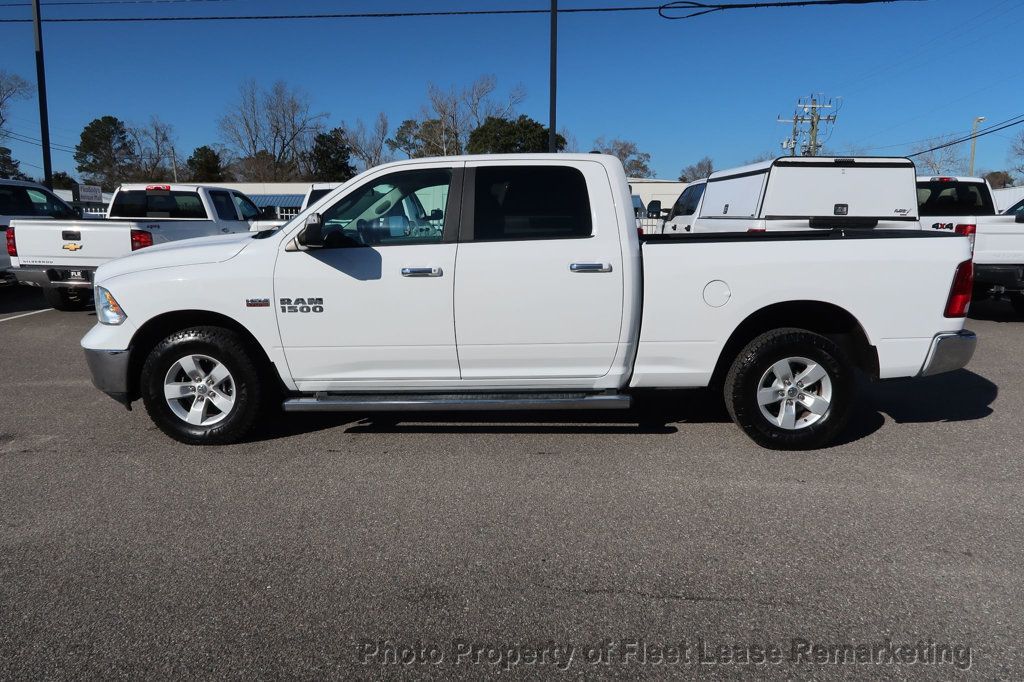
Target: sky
{"type": "Point", "coordinates": [713, 85]}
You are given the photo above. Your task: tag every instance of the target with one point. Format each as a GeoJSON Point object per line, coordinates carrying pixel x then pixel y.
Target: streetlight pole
{"type": "Point", "coordinates": [552, 135]}
{"type": "Point", "coordinates": [974, 140]}
{"type": "Point", "coordinates": [44, 122]}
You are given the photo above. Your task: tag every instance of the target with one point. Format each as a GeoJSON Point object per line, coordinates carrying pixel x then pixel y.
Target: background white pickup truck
{"type": "Point", "coordinates": [61, 255]}
{"type": "Point", "coordinates": [519, 282]}
{"type": "Point", "coordinates": [965, 206]}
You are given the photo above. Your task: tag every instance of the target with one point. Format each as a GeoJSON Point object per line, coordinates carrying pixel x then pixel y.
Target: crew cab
{"type": "Point", "coordinates": [61, 255]}
{"type": "Point", "coordinates": [501, 282]}
{"type": "Point", "coordinates": [964, 205]}
{"type": "Point", "coordinates": [801, 193]}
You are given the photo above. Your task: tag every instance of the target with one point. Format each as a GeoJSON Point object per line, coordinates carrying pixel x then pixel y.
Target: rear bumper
{"type": "Point", "coordinates": [109, 369]}
{"type": "Point", "coordinates": [949, 352]}
{"type": "Point", "coordinates": [38, 276]}
{"type": "Point", "coordinates": [1007, 276]}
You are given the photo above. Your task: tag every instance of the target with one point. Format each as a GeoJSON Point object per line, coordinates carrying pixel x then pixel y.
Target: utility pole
{"type": "Point", "coordinates": [974, 140]}
{"type": "Point", "coordinates": [44, 119]}
{"type": "Point", "coordinates": [807, 112]}
{"type": "Point", "coordinates": [174, 164]}
{"type": "Point", "coordinates": [552, 135]}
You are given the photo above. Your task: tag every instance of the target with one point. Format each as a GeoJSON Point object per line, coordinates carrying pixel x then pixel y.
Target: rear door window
{"type": "Point", "coordinates": [223, 205]}
{"type": "Point", "coordinates": [954, 198]}
{"type": "Point", "coordinates": [687, 202]}
{"type": "Point", "coordinates": [159, 204]}
{"type": "Point", "coordinates": [530, 202]}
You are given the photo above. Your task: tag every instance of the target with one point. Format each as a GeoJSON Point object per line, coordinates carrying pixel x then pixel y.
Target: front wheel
{"type": "Point", "coordinates": [790, 389]}
{"type": "Point", "coordinates": [201, 386]}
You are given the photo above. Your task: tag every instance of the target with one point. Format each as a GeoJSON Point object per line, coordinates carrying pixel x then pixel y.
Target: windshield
{"type": "Point", "coordinates": [954, 198]}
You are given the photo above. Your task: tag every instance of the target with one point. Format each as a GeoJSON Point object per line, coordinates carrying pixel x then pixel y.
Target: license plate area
{"type": "Point", "coordinates": [76, 275]}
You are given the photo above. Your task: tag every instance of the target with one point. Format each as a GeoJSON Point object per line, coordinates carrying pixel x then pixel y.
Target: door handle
{"type": "Point", "coordinates": [590, 267]}
{"type": "Point", "coordinates": [422, 272]}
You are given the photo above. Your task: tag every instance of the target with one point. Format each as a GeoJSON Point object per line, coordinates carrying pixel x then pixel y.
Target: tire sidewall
{"type": "Point", "coordinates": [222, 346]}
{"type": "Point", "coordinates": [758, 357]}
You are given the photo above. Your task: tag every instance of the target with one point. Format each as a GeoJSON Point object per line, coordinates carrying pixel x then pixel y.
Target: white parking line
{"type": "Point", "coordinates": [34, 312]}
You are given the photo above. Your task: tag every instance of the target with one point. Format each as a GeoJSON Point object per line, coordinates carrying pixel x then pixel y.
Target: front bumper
{"type": "Point", "coordinates": [109, 369]}
{"type": "Point", "coordinates": [949, 352]}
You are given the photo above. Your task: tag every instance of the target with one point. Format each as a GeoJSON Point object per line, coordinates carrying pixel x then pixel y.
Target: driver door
{"type": "Point", "coordinates": [374, 307]}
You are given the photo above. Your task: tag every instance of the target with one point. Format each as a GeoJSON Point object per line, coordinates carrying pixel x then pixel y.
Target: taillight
{"type": "Point", "coordinates": [967, 231]}
{"type": "Point", "coordinates": [141, 239]}
{"type": "Point", "coordinates": [960, 293]}
{"type": "Point", "coordinates": [757, 229]}
{"type": "Point", "coordinates": [12, 247]}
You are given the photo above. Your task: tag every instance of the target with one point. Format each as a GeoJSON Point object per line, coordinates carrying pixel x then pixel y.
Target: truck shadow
{"type": "Point", "coordinates": [994, 311]}
{"type": "Point", "coordinates": [21, 299]}
{"type": "Point", "coordinates": [957, 396]}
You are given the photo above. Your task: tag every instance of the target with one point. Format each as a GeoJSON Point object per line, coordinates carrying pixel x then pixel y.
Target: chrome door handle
{"type": "Point", "coordinates": [590, 267]}
{"type": "Point", "coordinates": [422, 272]}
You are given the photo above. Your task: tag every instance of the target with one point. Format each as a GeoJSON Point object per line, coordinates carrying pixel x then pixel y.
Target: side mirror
{"type": "Point", "coordinates": [654, 209]}
{"type": "Point", "coordinates": [268, 213]}
{"type": "Point", "coordinates": [79, 212]}
{"type": "Point", "coordinates": [312, 234]}
{"type": "Point", "coordinates": [436, 214]}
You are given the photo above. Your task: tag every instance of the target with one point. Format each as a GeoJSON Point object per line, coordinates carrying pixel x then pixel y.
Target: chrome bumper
{"type": "Point", "coordinates": [109, 369]}
{"type": "Point", "coordinates": [949, 352]}
{"type": "Point", "coordinates": [52, 277]}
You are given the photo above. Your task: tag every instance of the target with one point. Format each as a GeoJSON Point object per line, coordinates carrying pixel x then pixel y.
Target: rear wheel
{"type": "Point", "coordinates": [63, 298]}
{"type": "Point", "coordinates": [201, 386]}
{"type": "Point", "coordinates": [790, 389]}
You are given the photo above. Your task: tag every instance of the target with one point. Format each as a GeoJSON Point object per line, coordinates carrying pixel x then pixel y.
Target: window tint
{"type": "Point", "coordinates": [30, 201]}
{"type": "Point", "coordinates": [687, 202]}
{"type": "Point", "coordinates": [316, 195]}
{"type": "Point", "coordinates": [937, 198]}
{"type": "Point", "coordinates": [14, 201]}
{"type": "Point", "coordinates": [530, 202]}
{"type": "Point", "coordinates": [223, 205]}
{"type": "Point", "coordinates": [246, 208]}
{"type": "Point", "coordinates": [400, 208]}
{"type": "Point", "coordinates": [1016, 209]}
{"type": "Point", "coordinates": [143, 204]}
{"type": "Point", "coordinates": [46, 204]}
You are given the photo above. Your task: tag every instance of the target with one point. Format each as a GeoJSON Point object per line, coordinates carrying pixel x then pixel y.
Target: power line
{"type": "Point", "coordinates": [662, 9]}
{"type": "Point", "coordinates": [1009, 123]}
{"type": "Point", "coordinates": [72, 3]}
{"type": "Point", "coordinates": [21, 137]}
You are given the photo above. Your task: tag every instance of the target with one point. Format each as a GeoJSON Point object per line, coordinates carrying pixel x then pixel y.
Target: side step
{"type": "Point", "coordinates": [424, 402]}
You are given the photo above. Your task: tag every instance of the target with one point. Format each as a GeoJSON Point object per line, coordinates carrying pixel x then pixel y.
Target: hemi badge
{"type": "Point", "coordinates": [72, 247]}
{"type": "Point", "coordinates": [257, 303]}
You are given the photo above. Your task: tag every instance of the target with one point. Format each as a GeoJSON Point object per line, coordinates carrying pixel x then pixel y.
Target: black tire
{"type": "Point", "coordinates": [66, 299]}
{"type": "Point", "coordinates": [245, 387]}
{"type": "Point", "coordinates": [1017, 301]}
{"type": "Point", "coordinates": [752, 366]}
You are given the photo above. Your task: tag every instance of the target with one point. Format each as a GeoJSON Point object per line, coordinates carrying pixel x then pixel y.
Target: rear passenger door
{"type": "Point", "coordinates": [539, 282]}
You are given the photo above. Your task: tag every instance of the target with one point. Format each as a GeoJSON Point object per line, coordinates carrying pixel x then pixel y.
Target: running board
{"type": "Point", "coordinates": [424, 402]}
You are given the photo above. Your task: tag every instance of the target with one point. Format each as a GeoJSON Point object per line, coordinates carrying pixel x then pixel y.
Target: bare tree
{"type": "Point", "coordinates": [947, 160]}
{"type": "Point", "coordinates": [368, 144]}
{"type": "Point", "coordinates": [12, 87]}
{"type": "Point", "coordinates": [155, 154]}
{"type": "Point", "coordinates": [271, 131]}
{"type": "Point", "coordinates": [636, 162]}
{"type": "Point", "coordinates": [697, 171]}
{"type": "Point", "coordinates": [1017, 152]}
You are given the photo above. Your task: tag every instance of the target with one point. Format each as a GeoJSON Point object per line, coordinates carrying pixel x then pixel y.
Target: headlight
{"type": "Point", "coordinates": [108, 310]}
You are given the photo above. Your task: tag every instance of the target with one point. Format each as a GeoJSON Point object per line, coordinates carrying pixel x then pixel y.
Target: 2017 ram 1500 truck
{"type": "Point", "coordinates": [61, 255]}
{"type": "Point", "coordinates": [519, 282]}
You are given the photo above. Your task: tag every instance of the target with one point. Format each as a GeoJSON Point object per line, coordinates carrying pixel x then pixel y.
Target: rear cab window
{"type": "Point", "coordinates": [530, 202]}
{"type": "Point", "coordinates": [139, 203]}
{"type": "Point", "coordinates": [954, 198]}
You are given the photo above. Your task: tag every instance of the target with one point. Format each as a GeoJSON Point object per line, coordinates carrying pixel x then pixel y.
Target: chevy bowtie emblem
{"type": "Point", "coordinates": [72, 247]}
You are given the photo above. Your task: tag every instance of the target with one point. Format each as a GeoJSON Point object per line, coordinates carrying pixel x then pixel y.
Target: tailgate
{"type": "Point", "coordinates": [79, 243]}
{"type": "Point", "coordinates": [999, 240]}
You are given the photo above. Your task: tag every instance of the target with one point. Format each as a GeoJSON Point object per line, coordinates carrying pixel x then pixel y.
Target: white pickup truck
{"type": "Point", "coordinates": [532, 291]}
{"type": "Point", "coordinates": [964, 206]}
{"type": "Point", "coordinates": [61, 255]}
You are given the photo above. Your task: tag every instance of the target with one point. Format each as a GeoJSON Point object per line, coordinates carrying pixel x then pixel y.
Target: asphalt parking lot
{"type": "Point", "coordinates": [123, 553]}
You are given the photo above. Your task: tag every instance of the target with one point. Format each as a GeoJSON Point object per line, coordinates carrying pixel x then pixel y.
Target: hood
{"type": "Point", "coordinates": [197, 251]}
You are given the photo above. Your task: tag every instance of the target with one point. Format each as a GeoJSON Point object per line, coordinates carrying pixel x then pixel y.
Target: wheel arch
{"type": "Point", "coordinates": [159, 327]}
{"type": "Point", "coordinates": [827, 319]}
